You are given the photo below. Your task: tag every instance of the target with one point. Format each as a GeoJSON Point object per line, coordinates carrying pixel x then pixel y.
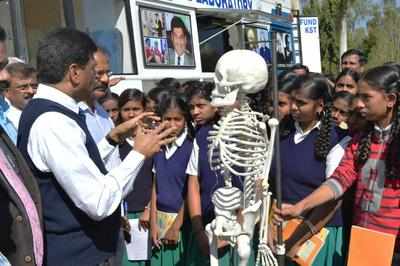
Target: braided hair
{"type": "Point", "coordinates": [316, 87]}
{"type": "Point", "coordinates": [386, 79]}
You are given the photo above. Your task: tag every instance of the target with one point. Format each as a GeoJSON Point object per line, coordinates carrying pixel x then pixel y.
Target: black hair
{"type": "Point", "coordinates": [299, 66]}
{"type": "Point", "coordinates": [287, 82]}
{"type": "Point", "coordinates": [157, 93]}
{"type": "Point", "coordinates": [169, 83]}
{"type": "Point", "coordinates": [384, 78]}
{"type": "Point", "coordinates": [348, 72]}
{"type": "Point", "coordinates": [61, 48]}
{"type": "Point", "coordinates": [3, 34]}
{"type": "Point", "coordinates": [130, 95]}
{"type": "Point", "coordinates": [109, 96]}
{"type": "Point", "coordinates": [175, 100]}
{"type": "Point", "coordinates": [316, 87]}
{"type": "Point", "coordinates": [345, 95]}
{"type": "Point", "coordinates": [176, 22]}
{"type": "Point", "coordinates": [361, 56]}
{"type": "Point", "coordinates": [191, 84]}
{"type": "Point", "coordinates": [202, 90]}
{"type": "Point", "coordinates": [394, 65]}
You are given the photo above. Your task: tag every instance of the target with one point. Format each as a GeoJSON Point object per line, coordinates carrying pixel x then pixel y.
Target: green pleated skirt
{"type": "Point", "coordinates": [332, 252]}
{"type": "Point", "coordinates": [170, 255]}
{"type": "Point", "coordinates": [125, 261]}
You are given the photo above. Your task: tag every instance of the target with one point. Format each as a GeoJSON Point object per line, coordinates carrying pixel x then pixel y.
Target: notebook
{"type": "Point", "coordinates": [370, 248]}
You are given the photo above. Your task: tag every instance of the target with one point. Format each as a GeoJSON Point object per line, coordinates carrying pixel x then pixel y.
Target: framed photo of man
{"type": "Point", "coordinates": [167, 38]}
{"type": "Point", "coordinates": [258, 40]}
{"type": "Point", "coordinates": [284, 46]}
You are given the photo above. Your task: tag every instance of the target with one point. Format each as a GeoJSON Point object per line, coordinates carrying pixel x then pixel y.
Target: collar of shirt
{"type": "Point", "coordinates": [52, 94]}
{"type": "Point", "coordinates": [130, 141]}
{"type": "Point", "coordinates": [5, 122]}
{"type": "Point", "coordinates": [13, 114]}
{"type": "Point", "coordinates": [85, 107]}
{"type": "Point", "coordinates": [182, 59]}
{"type": "Point", "coordinates": [382, 134]}
{"type": "Point", "coordinates": [4, 106]}
{"type": "Point", "coordinates": [300, 135]}
{"type": "Point", "coordinates": [171, 149]}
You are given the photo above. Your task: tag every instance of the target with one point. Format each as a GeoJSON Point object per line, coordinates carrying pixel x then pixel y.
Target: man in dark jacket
{"type": "Point", "coordinates": [21, 237]}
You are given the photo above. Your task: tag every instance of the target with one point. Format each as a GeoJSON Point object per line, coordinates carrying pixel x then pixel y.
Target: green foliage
{"type": "Point", "coordinates": [371, 28]}
{"type": "Point", "coordinates": [384, 37]}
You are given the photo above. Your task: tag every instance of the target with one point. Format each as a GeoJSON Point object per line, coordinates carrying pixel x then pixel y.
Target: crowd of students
{"type": "Point", "coordinates": [346, 131]}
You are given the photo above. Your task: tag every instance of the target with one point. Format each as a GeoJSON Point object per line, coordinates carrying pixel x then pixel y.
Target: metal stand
{"type": "Point", "coordinates": [280, 245]}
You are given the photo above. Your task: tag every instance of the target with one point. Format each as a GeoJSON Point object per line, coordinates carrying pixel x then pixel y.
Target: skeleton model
{"type": "Point", "coordinates": [239, 145]}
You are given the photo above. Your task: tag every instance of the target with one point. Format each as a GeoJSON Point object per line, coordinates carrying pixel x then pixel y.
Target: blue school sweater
{"type": "Point", "coordinates": [171, 181]}
{"type": "Point", "coordinates": [140, 196]}
{"type": "Point", "coordinates": [302, 173]}
{"type": "Point", "coordinates": [209, 181]}
{"type": "Point", "coordinates": [71, 237]}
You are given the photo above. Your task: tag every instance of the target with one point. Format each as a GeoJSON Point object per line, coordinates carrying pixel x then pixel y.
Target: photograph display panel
{"type": "Point", "coordinates": [167, 38]}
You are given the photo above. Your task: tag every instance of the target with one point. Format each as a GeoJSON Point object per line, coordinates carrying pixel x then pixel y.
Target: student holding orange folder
{"type": "Point", "coordinates": [371, 161]}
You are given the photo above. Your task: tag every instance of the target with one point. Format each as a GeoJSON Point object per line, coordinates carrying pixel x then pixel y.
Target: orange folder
{"type": "Point", "coordinates": [370, 248]}
{"type": "Point", "coordinates": [309, 250]}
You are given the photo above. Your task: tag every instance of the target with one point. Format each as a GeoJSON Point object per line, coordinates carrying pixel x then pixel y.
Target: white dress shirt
{"type": "Point", "coordinates": [193, 165]}
{"type": "Point", "coordinates": [335, 155]}
{"type": "Point", "coordinates": [13, 114]}
{"type": "Point", "coordinates": [56, 144]}
{"type": "Point", "coordinates": [182, 59]}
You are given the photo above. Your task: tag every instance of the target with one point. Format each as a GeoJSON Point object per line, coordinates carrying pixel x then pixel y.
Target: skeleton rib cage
{"type": "Point", "coordinates": [238, 147]}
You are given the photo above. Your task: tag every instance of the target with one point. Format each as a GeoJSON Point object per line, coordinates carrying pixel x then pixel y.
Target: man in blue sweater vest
{"type": "Point", "coordinates": [80, 198]}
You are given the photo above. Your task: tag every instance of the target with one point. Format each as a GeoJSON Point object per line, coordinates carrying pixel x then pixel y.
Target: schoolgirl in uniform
{"type": "Point", "coordinates": [304, 149]}
{"type": "Point", "coordinates": [169, 186]}
{"type": "Point", "coordinates": [131, 103]}
{"type": "Point", "coordinates": [371, 160]}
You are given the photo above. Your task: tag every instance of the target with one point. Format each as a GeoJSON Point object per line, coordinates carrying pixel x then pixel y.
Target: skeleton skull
{"type": "Point", "coordinates": [238, 71]}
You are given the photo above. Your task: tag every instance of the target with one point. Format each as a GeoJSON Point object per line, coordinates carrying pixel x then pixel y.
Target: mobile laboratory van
{"type": "Point", "coordinates": [137, 34]}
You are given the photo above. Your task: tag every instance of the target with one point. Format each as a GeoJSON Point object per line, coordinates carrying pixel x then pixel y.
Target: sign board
{"type": "Point", "coordinates": [310, 48]}
{"type": "Point", "coordinates": [263, 5]}
{"type": "Point", "coordinates": [231, 4]}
